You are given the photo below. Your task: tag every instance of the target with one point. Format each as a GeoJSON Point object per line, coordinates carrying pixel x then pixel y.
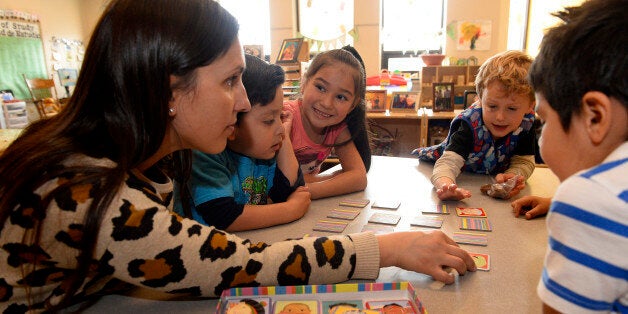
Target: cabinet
{"type": "Point", "coordinates": [411, 130]}
{"type": "Point", "coordinates": [463, 77]}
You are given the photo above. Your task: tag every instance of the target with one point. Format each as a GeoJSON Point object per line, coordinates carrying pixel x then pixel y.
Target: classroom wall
{"type": "Point", "coordinates": [57, 18]}
{"type": "Point", "coordinates": [75, 19]}
{"type": "Point", "coordinates": [367, 23]}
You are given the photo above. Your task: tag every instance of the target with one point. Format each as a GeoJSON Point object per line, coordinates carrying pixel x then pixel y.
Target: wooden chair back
{"type": "Point", "coordinates": [41, 89]}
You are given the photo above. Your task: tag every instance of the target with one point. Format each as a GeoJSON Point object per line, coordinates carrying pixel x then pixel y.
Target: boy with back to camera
{"type": "Point", "coordinates": [581, 90]}
{"type": "Point", "coordinates": [494, 135]}
{"type": "Point", "coordinates": [256, 181]}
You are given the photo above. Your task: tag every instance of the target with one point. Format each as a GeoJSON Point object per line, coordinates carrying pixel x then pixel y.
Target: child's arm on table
{"type": "Point", "coordinates": [262, 216]}
{"type": "Point", "coordinates": [351, 178]}
{"type": "Point", "coordinates": [446, 169]}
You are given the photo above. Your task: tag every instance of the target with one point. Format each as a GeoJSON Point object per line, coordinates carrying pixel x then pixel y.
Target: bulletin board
{"type": "Point", "coordinates": [21, 51]}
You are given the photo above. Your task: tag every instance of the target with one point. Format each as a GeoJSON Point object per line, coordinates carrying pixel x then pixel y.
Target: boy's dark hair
{"type": "Point", "coordinates": [261, 80]}
{"type": "Point", "coordinates": [585, 53]}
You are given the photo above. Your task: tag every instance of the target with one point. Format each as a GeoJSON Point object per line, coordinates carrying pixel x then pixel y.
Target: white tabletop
{"type": "Point", "coordinates": [516, 246]}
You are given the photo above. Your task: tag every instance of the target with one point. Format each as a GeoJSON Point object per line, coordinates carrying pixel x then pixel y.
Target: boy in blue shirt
{"type": "Point", "coordinates": [256, 182]}
{"type": "Point", "coordinates": [579, 78]}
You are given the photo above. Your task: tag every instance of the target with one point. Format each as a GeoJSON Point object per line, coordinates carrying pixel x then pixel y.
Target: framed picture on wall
{"type": "Point", "coordinates": [375, 100]}
{"type": "Point", "coordinates": [254, 50]}
{"type": "Point", "coordinates": [404, 101]}
{"type": "Point", "coordinates": [289, 51]}
{"type": "Point", "coordinates": [443, 96]}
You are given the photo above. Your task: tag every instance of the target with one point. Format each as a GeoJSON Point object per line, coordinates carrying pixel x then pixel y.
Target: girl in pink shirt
{"type": "Point", "coordinates": [330, 115]}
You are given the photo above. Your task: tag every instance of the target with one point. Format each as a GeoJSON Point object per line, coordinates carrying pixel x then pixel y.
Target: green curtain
{"type": "Point", "coordinates": [19, 56]}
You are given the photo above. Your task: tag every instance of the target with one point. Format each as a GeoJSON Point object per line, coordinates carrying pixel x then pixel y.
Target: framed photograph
{"type": "Point", "coordinates": [443, 96]}
{"type": "Point", "coordinates": [470, 97]}
{"type": "Point", "coordinates": [254, 50]}
{"type": "Point", "coordinates": [375, 100]}
{"type": "Point", "coordinates": [404, 101]}
{"type": "Point", "coordinates": [67, 77]}
{"type": "Point", "coordinates": [289, 51]}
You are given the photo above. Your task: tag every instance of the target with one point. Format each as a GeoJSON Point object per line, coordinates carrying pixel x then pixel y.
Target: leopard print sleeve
{"type": "Point", "coordinates": [148, 245]}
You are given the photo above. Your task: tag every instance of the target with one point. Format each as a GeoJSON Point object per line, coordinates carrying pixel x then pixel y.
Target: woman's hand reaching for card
{"type": "Point", "coordinates": [425, 252]}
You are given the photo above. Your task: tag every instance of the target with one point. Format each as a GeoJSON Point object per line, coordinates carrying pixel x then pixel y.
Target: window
{"type": "Point", "coordinates": [411, 27]}
{"type": "Point", "coordinates": [254, 19]}
{"type": "Point", "coordinates": [327, 23]}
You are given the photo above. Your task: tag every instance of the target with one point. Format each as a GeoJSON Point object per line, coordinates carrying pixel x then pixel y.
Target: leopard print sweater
{"type": "Point", "coordinates": [141, 242]}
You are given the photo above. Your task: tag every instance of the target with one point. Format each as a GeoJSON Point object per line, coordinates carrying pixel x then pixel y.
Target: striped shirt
{"type": "Point", "coordinates": [586, 265]}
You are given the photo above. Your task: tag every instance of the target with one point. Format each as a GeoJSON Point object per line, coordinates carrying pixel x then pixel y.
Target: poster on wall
{"type": "Point", "coordinates": [474, 35]}
{"type": "Point", "coordinates": [21, 51]}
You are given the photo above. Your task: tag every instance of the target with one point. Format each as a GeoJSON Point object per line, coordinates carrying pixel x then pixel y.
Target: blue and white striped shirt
{"type": "Point", "coordinates": [586, 265]}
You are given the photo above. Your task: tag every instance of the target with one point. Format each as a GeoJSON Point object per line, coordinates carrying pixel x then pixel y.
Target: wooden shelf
{"type": "Point", "coordinates": [412, 128]}
{"type": "Point", "coordinates": [463, 77]}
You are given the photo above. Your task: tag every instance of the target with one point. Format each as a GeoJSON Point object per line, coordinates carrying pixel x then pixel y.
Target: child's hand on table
{"type": "Point", "coordinates": [449, 190]}
{"type": "Point", "coordinates": [531, 206]}
{"type": "Point", "coordinates": [299, 202]}
{"type": "Point", "coordinates": [519, 185]}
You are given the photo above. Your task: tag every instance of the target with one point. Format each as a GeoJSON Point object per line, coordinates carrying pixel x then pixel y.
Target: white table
{"type": "Point", "coordinates": [516, 246]}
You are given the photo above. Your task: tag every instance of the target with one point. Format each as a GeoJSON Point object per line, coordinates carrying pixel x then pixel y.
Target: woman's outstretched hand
{"type": "Point", "coordinates": [424, 252]}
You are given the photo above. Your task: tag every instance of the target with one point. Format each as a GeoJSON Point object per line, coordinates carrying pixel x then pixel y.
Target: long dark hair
{"type": "Point", "coordinates": [119, 109]}
{"type": "Point", "coordinates": [356, 118]}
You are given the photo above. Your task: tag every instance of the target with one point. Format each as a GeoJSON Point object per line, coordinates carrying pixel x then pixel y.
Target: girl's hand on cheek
{"type": "Point", "coordinates": [286, 120]}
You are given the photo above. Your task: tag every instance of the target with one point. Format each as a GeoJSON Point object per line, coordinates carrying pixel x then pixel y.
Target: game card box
{"type": "Point", "coordinates": [330, 225]}
{"type": "Point", "coordinates": [352, 202]}
{"type": "Point", "coordinates": [386, 219]}
{"type": "Point", "coordinates": [470, 238]}
{"type": "Point", "coordinates": [377, 229]}
{"type": "Point", "coordinates": [248, 305]}
{"type": "Point", "coordinates": [440, 209]}
{"type": "Point", "coordinates": [296, 306]}
{"type": "Point", "coordinates": [478, 224]}
{"type": "Point", "coordinates": [347, 294]}
{"type": "Point", "coordinates": [471, 212]}
{"type": "Point", "coordinates": [344, 214]}
{"type": "Point", "coordinates": [482, 261]}
{"type": "Point", "coordinates": [427, 221]}
{"type": "Point", "coordinates": [386, 204]}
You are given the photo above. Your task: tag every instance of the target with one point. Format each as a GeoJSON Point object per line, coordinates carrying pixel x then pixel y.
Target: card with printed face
{"type": "Point", "coordinates": [427, 221]}
{"type": "Point", "coordinates": [386, 204]}
{"type": "Point", "coordinates": [330, 225]}
{"type": "Point", "coordinates": [436, 209]}
{"type": "Point", "coordinates": [386, 219]}
{"type": "Point", "coordinates": [377, 229]}
{"type": "Point", "coordinates": [482, 261]}
{"type": "Point", "coordinates": [479, 224]}
{"type": "Point", "coordinates": [470, 238]}
{"type": "Point", "coordinates": [344, 214]}
{"type": "Point", "coordinates": [296, 306]}
{"type": "Point", "coordinates": [352, 202]}
{"type": "Point", "coordinates": [390, 306]}
{"type": "Point", "coordinates": [248, 305]}
{"type": "Point", "coordinates": [470, 212]}
{"type": "Point", "coordinates": [341, 306]}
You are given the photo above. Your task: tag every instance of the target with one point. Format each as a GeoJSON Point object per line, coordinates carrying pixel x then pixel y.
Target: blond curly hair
{"type": "Point", "coordinates": [508, 67]}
